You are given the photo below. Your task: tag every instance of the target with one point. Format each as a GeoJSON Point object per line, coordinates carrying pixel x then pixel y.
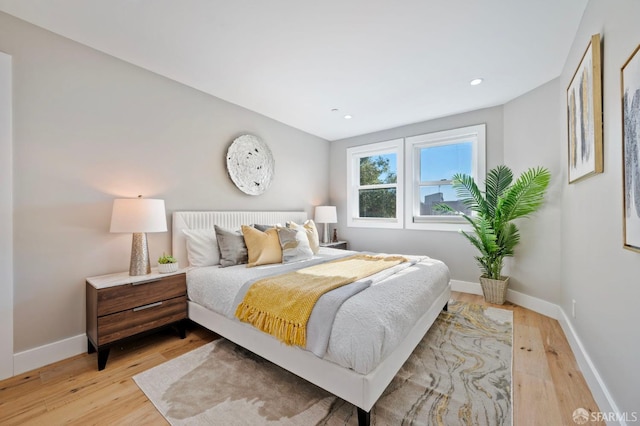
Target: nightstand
{"type": "Point", "coordinates": [121, 306]}
{"type": "Point", "coordinates": [342, 245]}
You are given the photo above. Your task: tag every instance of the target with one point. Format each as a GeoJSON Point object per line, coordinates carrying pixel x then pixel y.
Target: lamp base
{"type": "Point", "coordinates": [140, 264]}
{"type": "Point", "coordinates": [325, 235]}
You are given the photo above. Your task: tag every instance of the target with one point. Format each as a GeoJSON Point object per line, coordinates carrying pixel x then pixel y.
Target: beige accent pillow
{"type": "Point", "coordinates": [295, 244]}
{"type": "Point", "coordinates": [311, 231]}
{"type": "Point", "coordinates": [263, 247]}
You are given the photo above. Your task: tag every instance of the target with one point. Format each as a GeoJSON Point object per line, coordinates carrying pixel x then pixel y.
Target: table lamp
{"type": "Point", "coordinates": [138, 216]}
{"type": "Point", "coordinates": [326, 215]}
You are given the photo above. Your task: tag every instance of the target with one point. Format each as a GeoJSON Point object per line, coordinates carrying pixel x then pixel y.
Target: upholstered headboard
{"type": "Point", "coordinates": [228, 220]}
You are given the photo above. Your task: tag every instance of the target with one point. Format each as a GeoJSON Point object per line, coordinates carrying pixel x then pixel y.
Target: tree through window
{"type": "Point", "coordinates": [377, 193]}
{"type": "Point", "coordinates": [375, 184]}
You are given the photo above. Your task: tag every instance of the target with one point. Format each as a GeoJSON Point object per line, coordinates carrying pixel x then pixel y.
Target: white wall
{"type": "Point", "coordinates": [521, 134]}
{"type": "Point", "coordinates": [572, 248]}
{"type": "Point", "coordinates": [89, 128]}
{"type": "Point", "coordinates": [450, 247]}
{"type": "Point", "coordinates": [6, 221]}
{"type": "Point", "coordinates": [597, 272]}
{"type": "Point", "coordinates": [532, 126]}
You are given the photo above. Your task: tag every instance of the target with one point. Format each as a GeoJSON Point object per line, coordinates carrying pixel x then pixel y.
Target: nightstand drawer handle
{"type": "Point", "coordinates": [150, 305]}
{"type": "Point", "coordinates": [147, 281]}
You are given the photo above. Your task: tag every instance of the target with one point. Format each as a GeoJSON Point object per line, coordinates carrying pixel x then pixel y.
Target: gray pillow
{"type": "Point", "coordinates": [262, 228]}
{"type": "Point", "coordinates": [233, 250]}
{"type": "Point", "coordinates": [295, 245]}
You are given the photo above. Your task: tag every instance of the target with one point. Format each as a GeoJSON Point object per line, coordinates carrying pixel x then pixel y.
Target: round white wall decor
{"type": "Point", "coordinates": [250, 164]}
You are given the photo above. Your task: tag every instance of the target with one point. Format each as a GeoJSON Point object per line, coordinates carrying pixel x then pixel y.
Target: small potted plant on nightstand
{"type": "Point", "coordinates": [167, 264]}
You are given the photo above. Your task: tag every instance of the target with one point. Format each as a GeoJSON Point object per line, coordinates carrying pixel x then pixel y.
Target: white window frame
{"type": "Point", "coordinates": [354, 154]}
{"type": "Point", "coordinates": [477, 136]}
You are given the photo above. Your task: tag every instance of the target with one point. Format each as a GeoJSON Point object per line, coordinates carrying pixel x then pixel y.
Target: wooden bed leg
{"type": "Point", "coordinates": [364, 417]}
{"type": "Point", "coordinates": [446, 307]}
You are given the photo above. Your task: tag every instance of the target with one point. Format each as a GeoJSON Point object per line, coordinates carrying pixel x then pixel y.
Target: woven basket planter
{"type": "Point", "coordinates": [494, 291]}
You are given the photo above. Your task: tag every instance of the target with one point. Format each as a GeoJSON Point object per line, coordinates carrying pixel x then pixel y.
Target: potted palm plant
{"type": "Point", "coordinates": [492, 214]}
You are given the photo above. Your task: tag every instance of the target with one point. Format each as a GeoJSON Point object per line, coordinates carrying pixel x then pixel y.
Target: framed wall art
{"type": "Point", "coordinates": [584, 114]}
{"type": "Point", "coordinates": [630, 85]}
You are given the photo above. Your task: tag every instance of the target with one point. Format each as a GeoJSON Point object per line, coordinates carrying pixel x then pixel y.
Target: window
{"type": "Point", "coordinates": [432, 160]}
{"type": "Point", "coordinates": [375, 185]}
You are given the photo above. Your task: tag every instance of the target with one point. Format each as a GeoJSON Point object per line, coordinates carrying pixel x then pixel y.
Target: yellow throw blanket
{"type": "Point", "coordinates": [281, 305]}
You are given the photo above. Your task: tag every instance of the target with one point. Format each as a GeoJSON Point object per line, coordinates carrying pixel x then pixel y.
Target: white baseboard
{"type": "Point", "coordinates": [466, 287]}
{"type": "Point", "coordinates": [72, 346]}
{"type": "Point", "coordinates": [47, 354]}
{"type": "Point", "coordinates": [537, 305]}
{"type": "Point", "coordinates": [601, 394]}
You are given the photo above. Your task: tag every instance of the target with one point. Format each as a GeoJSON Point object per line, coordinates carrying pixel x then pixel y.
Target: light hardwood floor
{"type": "Point", "coordinates": [547, 384]}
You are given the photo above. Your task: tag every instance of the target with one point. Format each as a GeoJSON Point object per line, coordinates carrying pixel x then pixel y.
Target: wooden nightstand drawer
{"type": "Point", "coordinates": [121, 306]}
{"type": "Point", "coordinates": [124, 297]}
{"type": "Point", "coordinates": [142, 318]}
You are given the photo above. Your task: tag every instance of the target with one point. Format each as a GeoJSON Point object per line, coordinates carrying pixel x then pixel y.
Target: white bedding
{"type": "Point", "coordinates": [367, 327]}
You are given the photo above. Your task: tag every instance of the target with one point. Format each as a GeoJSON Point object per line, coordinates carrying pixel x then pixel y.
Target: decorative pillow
{"type": "Point", "coordinates": [233, 251]}
{"type": "Point", "coordinates": [202, 247]}
{"type": "Point", "coordinates": [312, 233]}
{"type": "Point", "coordinates": [263, 247]}
{"type": "Point", "coordinates": [295, 244]}
{"type": "Point", "coordinates": [263, 228]}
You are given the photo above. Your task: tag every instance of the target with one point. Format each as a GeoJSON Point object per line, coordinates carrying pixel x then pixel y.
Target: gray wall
{"type": "Point", "coordinates": [523, 133]}
{"type": "Point", "coordinates": [532, 126]}
{"type": "Point", "coordinates": [449, 247]}
{"type": "Point", "coordinates": [597, 272]}
{"type": "Point", "coordinates": [572, 248]}
{"type": "Point", "coordinates": [89, 128]}
{"type": "Point", "coordinates": [6, 221]}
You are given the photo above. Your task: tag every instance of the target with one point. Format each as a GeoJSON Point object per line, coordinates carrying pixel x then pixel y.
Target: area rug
{"type": "Point", "coordinates": [460, 374]}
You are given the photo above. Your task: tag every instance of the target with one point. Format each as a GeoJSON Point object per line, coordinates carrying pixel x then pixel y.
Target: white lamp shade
{"type": "Point", "coordinates": [326, 214]}
{"type": "Point", "coordinates": [138, 215]}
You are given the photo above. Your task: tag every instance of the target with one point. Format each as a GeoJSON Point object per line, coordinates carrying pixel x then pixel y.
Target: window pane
{"type": "Point", "coordinates": [442, 162]}
{"type": "Point", "coordinates": [378, 203]}
{"type": "Point", "coordinates": [430, 196]}
{"type": "Point", "coordinates": [378, 169]}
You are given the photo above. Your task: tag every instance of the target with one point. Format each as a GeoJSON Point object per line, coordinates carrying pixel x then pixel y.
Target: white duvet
{"type": "Point", "coordinates": [367, 327]}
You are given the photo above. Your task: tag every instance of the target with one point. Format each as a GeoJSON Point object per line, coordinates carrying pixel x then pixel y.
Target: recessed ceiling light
{"type": "Point", "coordinates": [334, 109]}
{"type": "Point", "coordinates": [476, 81]}
{"type": "Point", "coordinates": [348, 117]}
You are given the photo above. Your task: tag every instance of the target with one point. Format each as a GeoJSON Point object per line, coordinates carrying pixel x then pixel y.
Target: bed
{"type": "Point", "coordinates": [346, 376]}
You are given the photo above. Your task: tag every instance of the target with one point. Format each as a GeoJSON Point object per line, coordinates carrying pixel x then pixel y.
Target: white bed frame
{"type": "Point", "coordinates": [361, 390]}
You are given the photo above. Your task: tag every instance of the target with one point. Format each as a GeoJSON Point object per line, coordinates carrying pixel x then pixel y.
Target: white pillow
{"type": "Point", "coordinates": [312, 233]}
{"type": "Point", "coordinates": [202, 247]}
{"type": "Point", "coordinates": [295, 244]}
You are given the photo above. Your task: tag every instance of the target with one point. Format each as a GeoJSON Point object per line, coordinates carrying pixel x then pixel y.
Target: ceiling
{"type": "Point", "coordinates": [386, 63]}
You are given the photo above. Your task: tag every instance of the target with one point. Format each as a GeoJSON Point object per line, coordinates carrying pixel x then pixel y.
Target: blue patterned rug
{"type": "Point", "coordinates": [460, 374]}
